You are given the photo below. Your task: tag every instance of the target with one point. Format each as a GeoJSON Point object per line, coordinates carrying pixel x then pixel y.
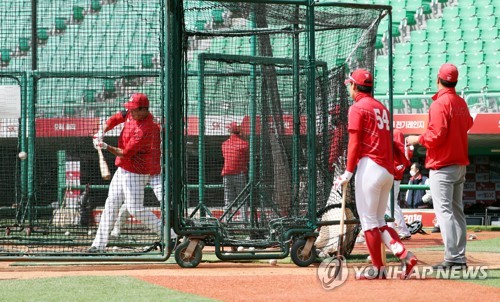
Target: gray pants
{"type": "Point", "coordinates": [447, 185]}
{"type": "Point", "coordinates": [233, 186]}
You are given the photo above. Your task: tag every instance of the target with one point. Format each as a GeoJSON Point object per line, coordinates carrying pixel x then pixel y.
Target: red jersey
{"type": "Point", "coordinates": [140, 142]}
{"type": "Point", "coordinates": [446, 136]}
{"type": "Point", "coordinates": [400, 160]}
{"type": "Point", "coordinates": [369, 133]}
{"type": "Point", "coordinates": [236, 155]}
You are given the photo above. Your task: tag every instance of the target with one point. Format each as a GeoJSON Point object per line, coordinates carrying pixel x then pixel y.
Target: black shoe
{"type": "Point", "coordinates": [436, 230]}
{"type": "Point", "coordinates": [445, 265]}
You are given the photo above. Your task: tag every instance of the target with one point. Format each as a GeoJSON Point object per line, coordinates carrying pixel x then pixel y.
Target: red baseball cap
{"type": "Point", "coordinates": [233, 128]}
{"type": "Point", "coordinates": [360, 77]}
{"type": "Point", "coordinates": [448, 72]}
{"type": "Point", "coordinates": [137, 100]}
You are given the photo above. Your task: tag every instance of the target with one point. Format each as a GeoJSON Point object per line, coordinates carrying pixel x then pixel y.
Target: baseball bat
{"type": "Point", "coordinates": [103, 166]}
{"type": "Point", "coordinates": [342, 218]}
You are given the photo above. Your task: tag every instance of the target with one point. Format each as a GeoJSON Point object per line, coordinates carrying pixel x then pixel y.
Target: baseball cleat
{"type": "Point", "coordinates": [407, 265]}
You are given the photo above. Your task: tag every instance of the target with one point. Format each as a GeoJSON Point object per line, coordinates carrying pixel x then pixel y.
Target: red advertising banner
{"type": "Point", "coordinates": [484, 123]}
{"type": "Point", "coordinates": [57, 127]}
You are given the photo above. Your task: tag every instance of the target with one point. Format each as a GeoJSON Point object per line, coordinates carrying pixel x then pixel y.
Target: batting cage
{"type": "Point", "coordinates": [68, 68]}
{"type": "Point", "coordinates": [258, 111]}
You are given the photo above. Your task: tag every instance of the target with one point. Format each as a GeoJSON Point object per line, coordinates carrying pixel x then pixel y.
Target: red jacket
{"type": "Point", "coordinates": [400, 160]}
{"type": "Point", "coordinates": [236, 155]}
{"type": "Point", "coordinates": [140, 142]}
{"type": "Point", "coordinates": [446, 136]}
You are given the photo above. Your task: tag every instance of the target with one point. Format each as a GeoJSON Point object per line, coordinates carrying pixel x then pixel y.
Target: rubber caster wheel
{"type": "Point", "coordinates": [186, 261]}
{"type": "Point", "coordinates": [298, 258]}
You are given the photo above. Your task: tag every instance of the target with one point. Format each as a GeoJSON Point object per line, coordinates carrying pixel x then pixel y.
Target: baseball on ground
{"type": "Point", "coordinates": [67, 233]}
{"type": "Point", "coordinates": [273, 261]}
{"type": "Point", "coordinates": [241, 249]}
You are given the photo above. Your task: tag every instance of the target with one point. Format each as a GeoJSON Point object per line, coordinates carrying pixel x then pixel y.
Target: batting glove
{"type": "Point", "coordinates": [102, 145]}
{"type": "Point", "coordinates": [342, 180]}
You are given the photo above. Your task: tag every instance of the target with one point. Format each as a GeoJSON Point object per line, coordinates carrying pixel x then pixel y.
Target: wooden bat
{"type": "Point", "coordinates": [342, 215]}
{"type": "Point", "coordinates": [103, 166]}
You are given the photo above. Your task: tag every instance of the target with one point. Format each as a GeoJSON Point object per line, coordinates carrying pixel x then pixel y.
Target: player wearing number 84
{"type": "Point", "coordinates": [370, 149]}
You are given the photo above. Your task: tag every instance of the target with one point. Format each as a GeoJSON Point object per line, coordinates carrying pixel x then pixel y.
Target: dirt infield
{"type": "Point", "coordinates": [231, 281]}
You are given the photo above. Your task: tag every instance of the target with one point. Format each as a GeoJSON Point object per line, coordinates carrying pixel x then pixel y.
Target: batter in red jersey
{"type": "Point", "coordinates": [370, 149]}
{"type": "Point", "coordinates": [135, 162]}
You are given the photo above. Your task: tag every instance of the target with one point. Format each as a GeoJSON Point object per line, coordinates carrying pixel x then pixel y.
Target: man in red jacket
{"type": "Point", "coordinates": [370, 150]}
{"type": "Point", "coordinates": [447, 156]}
{"type": "Point", "coordinates": [135, 162]}
{"type": "Point", "coordinates": [235, 151]}
{"type": "Point", "coordinates": [401, 162]}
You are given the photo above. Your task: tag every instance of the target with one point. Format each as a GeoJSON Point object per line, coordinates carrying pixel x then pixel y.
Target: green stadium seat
{"type": "Point", "coordinates": [43, 34]}
{"type": "Point", "coordinates": [457, 58]}
{"type": "Point", "coordinates": [466, 12]}
{"type": "Point", "coordinates": [485, 10]}
{"type": "Point", "coordinates": [217, 16]}
{"type": "Point", "coordinates": [402, 73]}
{"type": "Point", "coordinates": [60, 23]}
{"type": "Point", "coordinates": [419, 48]}
{"type": "Point", "coordinates": [474, 58]}
{"type": "Point", "coordinates": [453, 35]}
{"type": "Point", "coordinates": [438, 47]}
{"type": "Point", "coordinates": [24, 44]}
{"type": "Point", "coordinates": [402, 86]}
{"type": "Point", "coordinates": [400, 61]}
{"type": "Point", "coordinates": [451, 24]}
{"type": "Point", "coordinates": [477, 78]}
{"type": "Point", "coordinates": [399, 106]}
{"type": "Point", "coordinates": [417, 36]}
{"type": "Point", "coordinates": [472, 34]}
{"type": "Point", "coordinates": [200, 24]}
{"type": "Point", "coordinates": [491, 59]}
{"type": "Point", "coordinates": [434, 24]}
{"type": "Point", "coordinates": [78, 13]}
{"type": "Point", "coordinates": [491, 46]}
{"type": "Point", "coordinates": [462, 76]}
{"type": "Point", "coordinates": [489, 34]}
{"type": "Point", "coordinates": [469, 23]}
{"type": "Point", "coordinates": [487, 22]}
{"type": "Point", "coordinates": [437, 59]}
{"type": "Point", "coordinates": [450, 12]}
{"type": "Point", "coordinates": [5, 56]}
{"type": "Point", "coordinates": [89, 95]}
{"type": "Point", "coordinates": [420, 59]}
{"type": "Point", "coordinates": [493, 83]}
{"type": "Point", "coordinates": [435, 36]}
{"type": "Point", "coordinates": [95, 5]}
{"type": "Point", "coordinates": [410, 18]}
{"type": "Point", "coordinates": [420, 77]}
{"type": "Point", "coordinates": [474, 46]}
{"type": "Point", "coordinates": [403, 48]}
{"type": "Point", "coordinates": [456, 46]}
{"type": "Point", "coordinates": [147, 60]}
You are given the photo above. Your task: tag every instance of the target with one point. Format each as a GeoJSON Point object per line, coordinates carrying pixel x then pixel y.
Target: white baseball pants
{"type": "Point", "coordinates": [399, 223]}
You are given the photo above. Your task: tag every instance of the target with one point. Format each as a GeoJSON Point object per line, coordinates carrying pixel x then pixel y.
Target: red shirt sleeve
{"type": "Point", "coordinates": [116, 119]}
